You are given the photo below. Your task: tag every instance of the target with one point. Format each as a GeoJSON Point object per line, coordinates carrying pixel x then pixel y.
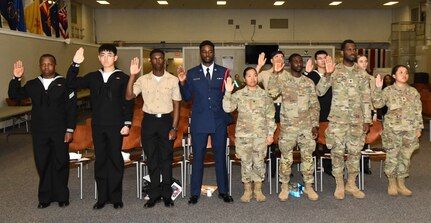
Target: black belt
{"type": "Point", "coordinates": [157, 115]}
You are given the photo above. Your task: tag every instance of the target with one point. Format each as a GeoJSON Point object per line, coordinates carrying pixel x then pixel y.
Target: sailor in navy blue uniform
{"type": "Point", "coordinates": [111, 117]}
{"type": "Point", "coordinates": [53, 121]}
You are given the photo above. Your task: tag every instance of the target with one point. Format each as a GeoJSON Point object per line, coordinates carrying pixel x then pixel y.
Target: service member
{"type": "Point", "coordinates": [111, 117]}
{"type": "Point", "coordinates": [53, 120]}
{"type": "Point", "coordinates": [299, 122]}
{"type": "Point", "coordinates": [402, 127]}
{"type": "Point", "coordinates": [254, 130]}
{"type": "Point", "coordinates": [161, 95]}
{"type": "Point", "coordinates": [349, 118]}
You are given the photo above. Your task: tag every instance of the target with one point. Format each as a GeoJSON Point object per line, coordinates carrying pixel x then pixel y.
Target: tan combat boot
{"type": "Point", "coordinates": [402, 189]}
{"type": "Point", "coordinates": [309, 191]}
{"type": "Point", "coordinates": [351, 187]}
{"type": "Point", "coordinates": [392, 187]}
{"type": "Point", "coordinates": [246, 197]}
{"type": "Point", "coordinates": [284, 194]}
{"type": "Point", "coordinates": [258, 192]}
{"type": "Point", "coordinates": [339, 189]}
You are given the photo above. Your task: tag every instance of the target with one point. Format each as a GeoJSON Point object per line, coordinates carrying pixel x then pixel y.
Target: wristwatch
{"type": "Point", "coordinates": [128, 126]}
{"type": "Point", "coordinates": [175, 129]}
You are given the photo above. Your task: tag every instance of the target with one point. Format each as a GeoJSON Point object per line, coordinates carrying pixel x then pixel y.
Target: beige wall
{"type": "Point", "coordinates": [184, 26]}
{"type": "Point", "coordinates": [88, 24]}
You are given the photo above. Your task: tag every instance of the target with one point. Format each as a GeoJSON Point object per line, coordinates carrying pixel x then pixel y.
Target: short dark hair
{"type": "Point", "coordinates": [48, 55]}
{"type": "Point", "coordinates": [319, 52]}
{"type": "Point", "coordinates": [109, 48]}
{"type": "Point", "coordinates": [292, 56]}
{"type": "Point", "coordinates": [157, 51]}
{"type": "Point", "coordinates": [206, 43]}
{"type": "Point", "coordinates": [276, 52]}
{"type": "Point", "coordinates": [395, 69]}
{"type": "Point", "coordinates": [345, 42]}
{"type": "Point", "coordinates": [247, 69]}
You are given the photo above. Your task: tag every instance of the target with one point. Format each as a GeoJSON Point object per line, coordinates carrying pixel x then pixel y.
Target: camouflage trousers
{"type": "Point", "coordinates": [288, 140]}
{"type": "Point", "coordinates": [399, 146]}
{"type": "Point", "coordinates": [342, 138]}
{"type": "Point", "coordinates": [252, 152]}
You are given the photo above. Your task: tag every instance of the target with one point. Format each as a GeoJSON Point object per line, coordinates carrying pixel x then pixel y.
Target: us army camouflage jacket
{"type": "Point", "coordinates": [350, 95]}
{"type": "Point", "coordinates": [300, 106]}
{"type": "Point", "coordinates": [255, 112]}
{"type": "Point", "coordinates": [404, 107]}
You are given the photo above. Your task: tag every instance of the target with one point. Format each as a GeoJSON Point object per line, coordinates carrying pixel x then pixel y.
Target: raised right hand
{"type": "Point", "coordinates": [309, 66]}
{"type": "Point", "coordinates": [379, 81]}
{"type": "Point", "coordinates": [135, 66]}
{"type": "Point", "coordinates": [261, 60]}
{"type": "Point", "coordinates": [182, 75]}
{"type": "Point", "coordinates": [329, 66]}
{"type": "Point", "coordinates": [79, 56]}
{"type": "Point", "coordinates": [18, 69]}
{"type": "Point", "coordinates": [228, 83]}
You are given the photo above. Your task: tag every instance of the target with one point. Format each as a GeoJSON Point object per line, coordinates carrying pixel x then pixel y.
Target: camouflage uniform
{"type": "Point", "coordinates": [350, 109]}
{"type": "Point", "coordinates": [255, 123]}
{"type": "Point", "coordinates": [299, 114]}
{"type": "Point", "coordinates": [403, 120]}
{"type": "Point", "coordinates": [263, 78]}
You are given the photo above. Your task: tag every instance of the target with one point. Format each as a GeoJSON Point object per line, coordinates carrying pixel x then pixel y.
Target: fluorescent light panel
{"type": "Point", "coordinates": [103, 2]}
{"type": "Point", "coordinates": [162, 2]}
{"type": "Point", "coordinates": [221, 2]}
{"type": "Point", "coordinates": [335, 3]}
{"type": "Point", "coordinates": [390, 3]}
{"type": "Point", "coordinates": [278, 3]}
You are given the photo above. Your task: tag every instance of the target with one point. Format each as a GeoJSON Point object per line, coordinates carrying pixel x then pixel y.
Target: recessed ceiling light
{"type": "Point", "coordinates": [390, 3]}
{"type": "Point", "coordinates": [221, 2]}
{"type": "Point", "coordinates": [278, 3]}
{"type": "Point", "coordinates": [162, 2]}
{"type": "Point", "coordinates": [335, 3]}
{"type": "Point", "coordinates": [103, 2]}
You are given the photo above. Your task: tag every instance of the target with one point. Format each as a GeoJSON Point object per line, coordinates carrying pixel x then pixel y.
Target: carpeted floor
{"type": "Point", "coordinates": [19, 181]}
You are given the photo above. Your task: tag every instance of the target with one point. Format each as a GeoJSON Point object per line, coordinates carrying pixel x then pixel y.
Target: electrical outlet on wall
{"type": "Point", "coordinates": [253, 22]}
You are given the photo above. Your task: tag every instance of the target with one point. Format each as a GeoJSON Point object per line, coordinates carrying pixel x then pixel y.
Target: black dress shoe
{"type": "Point", "coordinates": [150, 203]}
{"type": "Point", "coordinates": [118, 205]}
{"type": "Point", "coordinates": [98, 205]}
{"type": "Point", "coordinates": [193, 199]}
{"type": "Point", "coordinates": [226, 197]}
{"type": "Point", "coordinates": [63, 204]}
{"type": "Point", "coordinates": [168, 202]}
{"type": "Point", "coordinates": [42, 205]}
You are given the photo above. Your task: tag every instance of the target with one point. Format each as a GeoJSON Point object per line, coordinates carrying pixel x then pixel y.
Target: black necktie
{"type": "Point", "coordinates": [207, 75]}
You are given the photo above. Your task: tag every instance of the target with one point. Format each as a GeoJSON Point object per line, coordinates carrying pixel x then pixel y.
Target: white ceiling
{"type": "Point", "coordinates": [247, 4]}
